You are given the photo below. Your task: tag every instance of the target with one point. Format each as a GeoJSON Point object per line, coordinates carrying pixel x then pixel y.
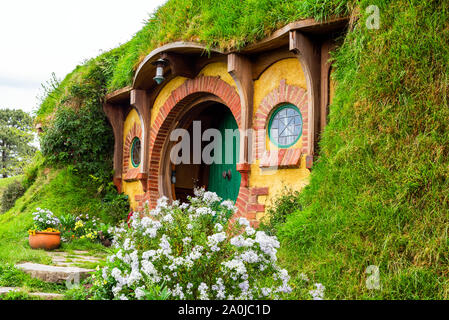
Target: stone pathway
{"type": "Point", "coordinates": [54, 273]}
{"type": "Point", "coordinates": [41, 295]}
{"type": "Point", "coordinates": [65, 268]}
{"type": "Point", "coordinates": [66, 259]}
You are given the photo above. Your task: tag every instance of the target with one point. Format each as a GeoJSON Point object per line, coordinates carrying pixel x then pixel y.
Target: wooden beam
{"type": "Point", "coordinates": [180, 65]}
{"type": "Point", "coordinates": [308, 52]}
{"type": "Point", "coordinates": [140, 100]}
{"type": "Point", "coordinates": [240, 68]}
{"type": "Point", "coordinates": [114, 113]}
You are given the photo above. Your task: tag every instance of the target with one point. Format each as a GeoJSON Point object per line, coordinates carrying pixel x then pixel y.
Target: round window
{"type": "Point", "coordinates": [135, 152]}
{"type": "Point", "coordinates": [285, 126]}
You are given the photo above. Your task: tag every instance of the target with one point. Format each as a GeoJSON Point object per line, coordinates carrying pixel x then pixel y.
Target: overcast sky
{"type": "Point", "coordinates": [38, 37]}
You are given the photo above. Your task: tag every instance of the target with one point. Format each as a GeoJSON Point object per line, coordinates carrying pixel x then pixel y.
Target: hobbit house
{"type": "Point", "coordinates": [274, 94]}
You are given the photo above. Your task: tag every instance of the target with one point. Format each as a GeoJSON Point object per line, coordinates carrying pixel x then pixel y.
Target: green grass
{"type": "Point", "coordinates": [378, 192]}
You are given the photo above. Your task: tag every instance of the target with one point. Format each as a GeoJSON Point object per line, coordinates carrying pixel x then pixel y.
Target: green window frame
{"type": "Point", "coordinates": [297, 122]}
{"type": "Point", "coordinates": [135, 144]}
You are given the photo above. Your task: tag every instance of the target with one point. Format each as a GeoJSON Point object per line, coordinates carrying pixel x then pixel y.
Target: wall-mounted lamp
{"type": "Point", "coordinates": [173, 177]}
{"type": "Point", "coordinates": [160, 64]}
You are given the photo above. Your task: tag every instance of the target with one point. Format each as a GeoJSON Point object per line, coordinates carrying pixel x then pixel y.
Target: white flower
{"type": "Point", "coordinates": [318, 293]}
{"type": "Point", "coordinates": [210, 197]}
{"type": "Point", "coordinates": [240, 241]}
{"type": "Point", "coordinates": [168, 218]}
{"type": "Point", "coordinates": [250, 256]}
{"type": "Point", "coordinates": [228, 204]}
{"type": "Point", "coordinates": [186, 240]}
{"type": "Point", "coordinates": [244, 222]}
{"type": "Point", "coordinates": [165, 245]}
{"type": "Point", "coordinates": [215, 239]}
{"type": "Point", "coordinates": [266, 291]}
{"type": "Point", "coordinates": [184, 206]}
{"type": "Point", "coordinates": [203, 288]}
{"type": "Point", "coordinates": [139, 292]}
{"type": "Point", "coordinates": [189, 227]}
{"type": "Point", "coordinates": [204, 211]}
{"type": "Point", "coordinates": [235, 264]}
{"type": "Point", "coordinates": [267, 244]}
{"type": "Point", "coordinates": [219, 227]}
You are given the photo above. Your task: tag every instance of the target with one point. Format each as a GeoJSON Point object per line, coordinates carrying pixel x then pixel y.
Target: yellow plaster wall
{"type": "Point", "coordinates": [164, 94]}
{"type": "Point", "coordinates": [290, 70]}
{"type": "Point", "coordinates": [218, 69]}
{"type": "Point", "coordinates": [135, 187]}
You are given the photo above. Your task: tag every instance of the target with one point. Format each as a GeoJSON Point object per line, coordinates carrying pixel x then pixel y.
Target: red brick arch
{"type": "Point", "coordinates": [172, 108]}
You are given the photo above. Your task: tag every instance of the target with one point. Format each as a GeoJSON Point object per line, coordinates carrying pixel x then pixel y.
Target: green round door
{"type": "Point", "coordinates": [224, 179]}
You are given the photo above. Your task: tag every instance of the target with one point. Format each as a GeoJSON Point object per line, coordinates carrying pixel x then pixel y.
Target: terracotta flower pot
{"type": "Point", "coordinates": [45, 240]}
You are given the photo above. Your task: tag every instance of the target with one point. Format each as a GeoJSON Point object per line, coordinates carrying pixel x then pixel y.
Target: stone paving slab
{"type": "Point", "coordinates": [54, 273]}
{"type": "Point", "coordinates": [42, 295]}
{"type": "Point", "coordinates": [5, 290]}
{"type": "Point", "coordinates": [65, 259]}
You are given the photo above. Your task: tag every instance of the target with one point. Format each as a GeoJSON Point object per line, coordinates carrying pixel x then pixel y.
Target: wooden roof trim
{"type": "Point", "coordinates": [118, 95]}
{"type": "Point", "coordinates": [307, 25]}
{"type": "Point", "coordinates": [185, 47]}
{"type": "Point", "coordinates": [276, 39]}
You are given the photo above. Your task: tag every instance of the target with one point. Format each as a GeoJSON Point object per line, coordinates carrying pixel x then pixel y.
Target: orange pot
{"type": "Point", "coordinates": [45, 240]}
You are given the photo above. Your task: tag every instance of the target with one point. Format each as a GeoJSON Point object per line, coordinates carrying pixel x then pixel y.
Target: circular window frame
{"type": "Point", "coordinates": [273, 114]}
{"type": "Point", "coordinates": [133, 145]}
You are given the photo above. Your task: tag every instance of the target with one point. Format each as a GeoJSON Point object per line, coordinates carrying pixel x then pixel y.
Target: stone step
{"type": "Point", "coordinates": [54, 273]}
{"type": "Point", "coordinates": [41, 295]}
{"type": "Point", "coordinates": [74, 259]}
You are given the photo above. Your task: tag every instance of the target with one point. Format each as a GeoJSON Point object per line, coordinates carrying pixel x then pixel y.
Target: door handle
{"type": "Point", "coordinates": [227, 175]}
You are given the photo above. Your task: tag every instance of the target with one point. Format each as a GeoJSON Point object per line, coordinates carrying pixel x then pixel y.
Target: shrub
{"type": "Point", "coordinates": [276, 214]}
{"type": "Point", "coordinates": [12, 192]}
{"type": "Point", "coordinates": [191, 251]}
{"type": "Point", "coordinates": [115, 206]}
{"type": "Point", "coordinates": [82, 138]}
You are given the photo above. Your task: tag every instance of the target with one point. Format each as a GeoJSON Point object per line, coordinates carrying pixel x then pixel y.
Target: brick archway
{"type": "Point", "coordinates": [179, 99]}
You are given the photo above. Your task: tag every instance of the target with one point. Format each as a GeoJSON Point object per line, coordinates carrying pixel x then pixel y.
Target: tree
{"type": "Point", "coordinates": [15, 137]}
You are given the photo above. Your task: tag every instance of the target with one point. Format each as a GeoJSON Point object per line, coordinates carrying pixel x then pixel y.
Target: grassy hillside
{"type": "Point", "coordinates": [60, 190]}
{"type": "Point", "coordinates": [379, 190]}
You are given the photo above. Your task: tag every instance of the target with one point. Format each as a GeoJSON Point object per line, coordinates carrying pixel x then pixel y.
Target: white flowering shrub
{"type": "Point", "coordinates": [191, 251]}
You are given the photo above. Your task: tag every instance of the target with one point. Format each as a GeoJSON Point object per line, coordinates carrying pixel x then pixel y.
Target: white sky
{"type": "Point", "coordinates": [38, 37]}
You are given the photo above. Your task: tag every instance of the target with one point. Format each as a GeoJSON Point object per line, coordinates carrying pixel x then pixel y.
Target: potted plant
{"type": "Point", "coordinates": [44, 234]}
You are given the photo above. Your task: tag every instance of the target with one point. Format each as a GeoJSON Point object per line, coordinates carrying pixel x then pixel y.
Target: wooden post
{"type": "Point", "coordinates": [240, 68]}
{"type": "Point", "coordinates": [140, 100]}
{"type": "Point", "coordinates": [114, 113]}
{"type": "Point", "coordinates": [309, 54]}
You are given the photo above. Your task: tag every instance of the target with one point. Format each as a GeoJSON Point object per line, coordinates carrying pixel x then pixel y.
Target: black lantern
{"type": "Point", "coordinates": [160, 64]}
